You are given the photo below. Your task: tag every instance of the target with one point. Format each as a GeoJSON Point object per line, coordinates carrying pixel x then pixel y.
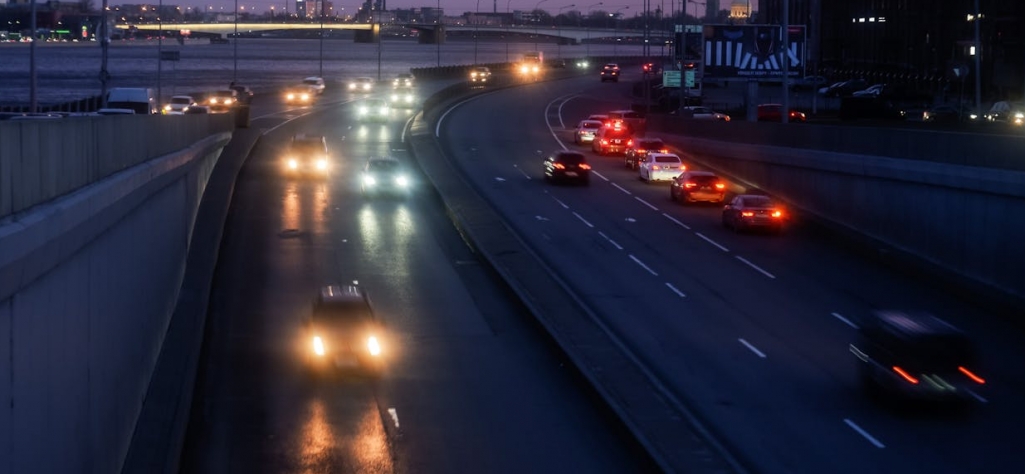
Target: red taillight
{"type": "Point", "coordinates": [641, 151]}
{"type": "Point", "coordinates": [629, 143]}
{"type": "Point", "coordinates": [720, 186]}
{"type": "Point", "coordinates": [689, 185]}
{"type": "Point", "coordinates": [975, 378]}
{"type": "Point", "coordinates": [584, 166]}
{"type": "Point", "coordinates": [777, 214]}
{"type": "Point", "coordinates": [560, 166]}
{"type": "Point", "coordinates": [664, 150]}
{"type": "Point", "coordinates": [747, 213]}
{"type": "Point", "coordinates": [904, 374]}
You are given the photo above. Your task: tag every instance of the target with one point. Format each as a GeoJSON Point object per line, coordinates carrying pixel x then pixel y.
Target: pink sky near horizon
{"type": "Point", "coordinates": [454, 7]}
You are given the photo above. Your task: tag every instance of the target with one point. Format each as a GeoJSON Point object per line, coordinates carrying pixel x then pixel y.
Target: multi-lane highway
{"type": "Point", "coordinates": [471, 384]}
{"type": "Point", "coordinates": [752, 331]}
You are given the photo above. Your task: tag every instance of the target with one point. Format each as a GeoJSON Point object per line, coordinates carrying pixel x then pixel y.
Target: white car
{"type": "Point", "coordinates": [661, 167]}
{"type": "Point", "coordinates": [402, 99]}
{"type": "Point", "coordinates": [315, 84]}
{"type": "Point", "coordinates": [373, 110]}
{"type": "Point", "coordinates": [704, 113]}
{"type": "Point", "coordinates": [586, 131]}
{"type": "Point", "coordinates": [872, 91]}
{"type": "Point", "coordinates": [179, 104]}
{"type": "Point", "coordinates": [362, 84]}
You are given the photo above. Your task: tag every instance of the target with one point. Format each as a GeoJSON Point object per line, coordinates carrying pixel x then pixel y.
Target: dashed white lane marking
{"type": "Point", "coordinates": [499, 179]}
{"type": "Point", "coordinates": [724, 249]}
{"type": "Point", "coordinates": [681, 224]}
{"type": "Point", "coordinates": [621, 188]}
{"type": "Point", "coordinates": [541, 218]}
{"type": "Point", "coordinates": [845, 320]}
{"type": "Point", "coordinates": [870, 438]}
{"type": "Point", "coordinates": [394, 416]}
{"type": "Point", "coordinates": [564, 205]}
{"type": "Point", "coordinates": [524, 173]}
{"type": "Point", "coordinates": [613, 242]}
{"type": "Point", "coordinates": [599, 175]}
{"type": "Point", "coordinates": [977, 396]}
{"type": "Point", "coordinates": [646, 203]}
{"type": "Point", "coordinates": [583, 220]}
{"type": "Point", "coordinates": [671, 287]}
{"type": "Point", "coordinates": [756, 267]}
{"type": "Point", "coordinates": [643, 265]}
{"type": "Point", "coordinates": [753, 348]}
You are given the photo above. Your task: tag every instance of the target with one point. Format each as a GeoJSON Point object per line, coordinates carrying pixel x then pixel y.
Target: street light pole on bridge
{"type": "Point", "coordinates": [588, 28]}
{"type": "Point", "coordinates": [536, 21]}
{"type": "Point", "coordinates": [559, 41]}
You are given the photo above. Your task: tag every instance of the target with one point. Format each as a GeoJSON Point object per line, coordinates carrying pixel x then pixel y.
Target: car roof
{"type": "Point", "coordinates": [593, 123]}
{"type": "Point", "coordinates": [364, 79]}
{"type": "Point", "coordinates": [340, 293]}
{"type": "Point", "coordinates": [182, 97]}
{"type": "Point", "coordinates": [913, 324]}
{"type": "Point", "coordinates": [306, 137]}
{"type": "Point", "coordinates": [313, 78]}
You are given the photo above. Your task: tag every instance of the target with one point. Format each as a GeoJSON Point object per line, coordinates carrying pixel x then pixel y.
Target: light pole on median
{"type": "Point", "coordinates": [588, 28]}
{"type": "Point", "coordinates": [476, 31]}
{"type": "Point", "coordinates": [507, 33]}
{"type": "Point", "coordinates": [536, 21]}
{"type": "Point", "coordinates": [437, 31]}
{"type": "Point", "coordinates": [559, 42]}
{"type": "Point", "coordinates": [234, 41]}
{"type": "Point", "coordinates": [322, 3]}
{"type": "Point", "coordinates": [615, 43]}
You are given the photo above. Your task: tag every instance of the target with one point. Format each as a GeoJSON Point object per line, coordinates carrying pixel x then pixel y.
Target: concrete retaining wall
{"type": "Point", "coordinates": [88, 283]}
{"type": "Point", "coordinates": [961, 218]}
{"type": "Point", "coordinates": [44, 159]}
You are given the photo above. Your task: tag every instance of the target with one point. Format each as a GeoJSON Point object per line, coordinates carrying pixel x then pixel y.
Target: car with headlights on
{"type": "Point", "coordinates": [361, 84]}
{"type": "Point", "coordinates": [914, 356]}
{"type": "Point", "coordinates": [179, 104]}
{"type": "Point", "coordinates": [402, 99]}
{"type": "Point", "coordinates": [308, 156]}
{"type": "Point", "coordinates": [612, 139]}
{"type": "Point", "coordinates": [560, 166]}
{"type": "Point", "coordinates": [586, 131]}
{"type": "Point", "coordinates": [640, 149]}
{"type": "Point", "coordinates": [697, 186]}
{"type": "Point", "coordinates": [698, 112]}
{"type": "Point", "coordinates": [610, 72]}
{"type": "Point", "coordinates": [753, 211]}
{"type": "Point", "coordinates": [480, 75]}
{"type": "Point", "coordinates": [315, 84]}
{"type": "Point", "coordinates": [385, 175]}
{"type": "Point", "coordinates": [342, 331]}
{"type": "Point", "coordinates": [222, 101]}
{"type": "Point", "coordinates": [660, 167]}
{"type": "Point", "coordinates": [299, 95]}
{"type": "Point", "coordinates": [373, 110]}
{"type": "Point", "coordinates": [404, 80]}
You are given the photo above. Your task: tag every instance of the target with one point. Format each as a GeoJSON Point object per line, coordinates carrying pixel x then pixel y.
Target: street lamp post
{"type": "Point", "coordinates": [536, 8]}
{"type": "Point", "coordinates": [476, 31]}
{"type": "Point", "coordinates": [437, 31]}
{"type": "Point", "coordinates": [322, 3]}
{"type": "Point", "coordinates": [978, 61]}
{"type": "Point", "coordinates": [559, 42]}
{"type": "Point", "coordinates": [234, 41]}
{"type": "Point", "coordinates": [615, 44]}
{"type": "Point", "coordinates": [507, 33]}
{"type": "Point", "coordinates": [588, 28]}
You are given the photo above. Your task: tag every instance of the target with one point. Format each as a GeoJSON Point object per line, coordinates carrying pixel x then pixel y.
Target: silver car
{"type": "Point", "coordinates": [586, 131]}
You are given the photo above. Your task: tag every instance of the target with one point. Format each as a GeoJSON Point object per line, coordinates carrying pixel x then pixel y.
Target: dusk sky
{"type": "Point", "coordinates": [456, 7]}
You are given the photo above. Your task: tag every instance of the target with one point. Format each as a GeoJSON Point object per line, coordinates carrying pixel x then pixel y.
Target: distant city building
{"type": "Point", "coordinates": [740, 10]}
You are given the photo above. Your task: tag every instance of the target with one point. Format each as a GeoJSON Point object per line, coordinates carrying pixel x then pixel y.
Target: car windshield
{"type": "Point", "coordinates": [307, 146]}
{"type": "Point", "coordinates": [311, 82]}
{"type": "Point", "coordinates": [181, 100]}
{"type": "Point", "coordinates": [383, 165]}
{"type": "Point", "coordinates": [342, 313]}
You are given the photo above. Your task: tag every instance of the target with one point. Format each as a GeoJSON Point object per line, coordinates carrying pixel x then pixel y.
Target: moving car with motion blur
{"type": "Point", "coordinates": [651, 68]}
{"type": "Point", "coordinates": [640, 148]}
{"type": "Point", "coordinates": [375, 110]}
{"type": "Point", "coordinates": [480, 75]}
{"type": "Point", "coordinates": [299, 95]}
{"type": "Point", "coordinates": [660, 167]}
{"type": "Point", "coordinates": [308, 156]}
{"type": "Point", "coordinates": [915, 356]}
{"type": "Point", "coordinates": [244, 93]}
{"type": "Point", "coordinates": [404, 80]}
{"type": "Point", "coordinates": [315, 84]}
{"type": "Point", "coordinates": [610, 72]}
{"type": "Point", "coordinates": [385, 175]}
{"type": "Point", "coordinates": [753, 211]}
{"type": "Point", "coordinates": [567, 166]}
{"type": "Point", "coordinates": [402, 99]}
{"type": "Point", "coordinates": [586, 131]}
{"type": "Point", "coordinates": [342, 331]}
{"type": "Point", "coordinates": [698, 112]}
{"type": "Point", "coordinates": [774, 113]}
{"type": "Point", "coordinates": [697, 186]}
{"type": "Point", "coordinates": [222, 101]}
{"type": "Point", "coordinates": [179, 104]}
{"type": "Point", "coordinates": [361, 84]}
{"type": "Point", "coordinates": [611, 140]}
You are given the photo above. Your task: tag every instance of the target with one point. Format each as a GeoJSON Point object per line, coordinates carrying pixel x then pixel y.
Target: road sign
{"type": "Point", "coordinates": [752, 51]}
{"type": "Point", "coordinates": [671, 78]}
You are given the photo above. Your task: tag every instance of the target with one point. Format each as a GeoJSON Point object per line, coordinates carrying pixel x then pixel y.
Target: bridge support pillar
{"type": "Point", "coordinates": [373, 35]}
{"type": "Point", "coordinates": [434, 36]}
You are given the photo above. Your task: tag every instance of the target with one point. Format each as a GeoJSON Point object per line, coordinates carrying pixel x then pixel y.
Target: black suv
{"type": "Point", "coordinates": [342, 331]}
{"type": "Point", "coordinates": [610, 72]}
{"type": "Point", "coordinates": [916, 356]}
{"type": "Point", "coordinates": [308, 155]}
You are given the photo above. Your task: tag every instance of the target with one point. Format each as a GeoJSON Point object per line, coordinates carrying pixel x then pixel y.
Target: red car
{"type": "Point", "coordinates": [774, 113]}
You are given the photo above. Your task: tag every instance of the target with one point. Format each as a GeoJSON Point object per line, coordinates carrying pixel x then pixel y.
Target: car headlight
{"type": "Point", "coordinates": [362, 110]}
{"type": "Point", "coordinates": [167, 107]}
{"type": "Point", "coordinates": [394, 97]}
{"type": "Point", "coordinates": [369, 180]}
{"type": "Point", "coordinates": [535, 69]}
{"type": "Point", "coordinates": [352, 85]}
{"type": "Point", "coordinates": [524, 69]}
{"type": "Point", "coordinates": [402, 181]}
{"type": "Point", "coordinates": [289, 96]}
{"type": "Point", "coordinates": [321, 164]}
{"type": "Point", "coordinates": [318, 346]}
{"type": "Point", "coordinates": [973, 116]}
{"type": "Point", "coordinates": [384, 110]}
{"type": "Point", "coordinates": [293, 163]}
{"type": "Point", "coordinates": [305, 97]}
{"type": "Point", "coordinates": [366, 87]}
{"type": "Point", "coordinates": [374, 346]}
{"type": "Point", "coordinates": [409, 98]}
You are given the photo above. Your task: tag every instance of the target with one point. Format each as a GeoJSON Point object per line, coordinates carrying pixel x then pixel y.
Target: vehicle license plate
{"type": "Point", "coordinates": [571, 173]}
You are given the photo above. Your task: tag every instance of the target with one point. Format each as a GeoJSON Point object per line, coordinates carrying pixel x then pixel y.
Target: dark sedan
{"type": "Point", "coordinates": [698, 186]}
{"type": "Point", "coordinates": [751, 211]}
{"type": "Point", "coordinates": [567, 166]}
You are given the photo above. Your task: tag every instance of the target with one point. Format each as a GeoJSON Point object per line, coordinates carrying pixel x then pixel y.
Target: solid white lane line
{"type": "Point", "coordinates": [681, 224]}
{"type": "Point", "coordinates": [582, 219]}
{"type": "Point", "coordinates": [599, 175]}
{"type": "Point", "coordinates": [855, 427]}
{"type": "Point", "coordinates": [621, 188]}
{"type": "Point", "coordinates": [524, 173]}
{"type": "Point", "coordinates": [613, 242]}
{"type": "Point", "coordinates": [394, 416]}
{"type": "Point", "coordinates": [646, 203]}
{"type": "Point", "coordinates": [977, 396]}
{"type": "Point", "coordinates": [756, 267]}
{"type": "Point", "coordinates": [671, 287]}
{"type": "Point", "coordinates": [643, 265]}
{"type": "Point", "coordinates": [753, 348]}
{"type": "Point", "coordinates": [845, 320]}
{"type": "Point", "coordinates": [562, 123]}
{"type": "Point", "coordinates": [724, 249]}
{"type": "Point", "coordinates": [564, 206]}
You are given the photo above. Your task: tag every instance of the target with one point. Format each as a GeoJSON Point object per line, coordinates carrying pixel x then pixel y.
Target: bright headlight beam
{"type": "Point", "coordinates": [373, 346]}
{"type": "Point", "coordinates": [318, 346]}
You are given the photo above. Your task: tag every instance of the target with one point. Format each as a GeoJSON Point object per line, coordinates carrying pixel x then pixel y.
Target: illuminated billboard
{"type": "Point", "coordinates": [752, 51]}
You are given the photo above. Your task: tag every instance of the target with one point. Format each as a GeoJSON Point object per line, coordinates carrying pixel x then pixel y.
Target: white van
{"type": "Point", "coordinates": [141, 100]}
